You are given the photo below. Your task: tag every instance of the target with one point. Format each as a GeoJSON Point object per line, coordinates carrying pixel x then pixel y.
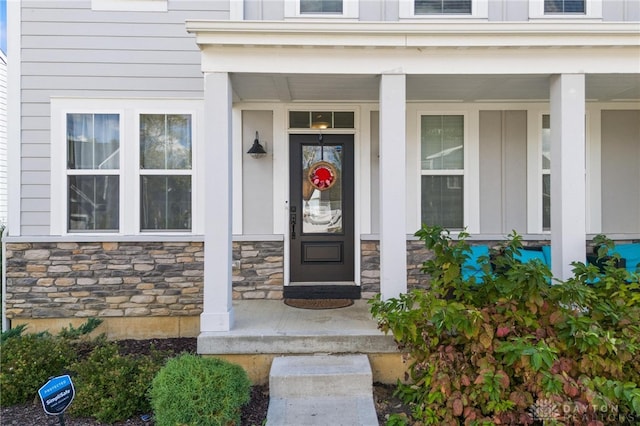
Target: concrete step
{"type": "Point", "coordinates": [321, 390]}
{"type": "Point", "coordinates": [320, 375]}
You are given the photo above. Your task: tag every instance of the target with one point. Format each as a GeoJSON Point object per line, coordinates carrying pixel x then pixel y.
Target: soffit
{"type": "Point", "coordinates": [437, 88]}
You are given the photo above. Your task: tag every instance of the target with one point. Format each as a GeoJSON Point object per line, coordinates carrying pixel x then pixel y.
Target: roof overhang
{"type": "Point", "coordinates": [461, 34]}
{"type": "Point", "coordinates": [301, 60]}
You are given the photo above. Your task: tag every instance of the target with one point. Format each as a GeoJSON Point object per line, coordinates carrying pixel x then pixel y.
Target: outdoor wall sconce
{"type": "Point", "coordinates": [257, 150]}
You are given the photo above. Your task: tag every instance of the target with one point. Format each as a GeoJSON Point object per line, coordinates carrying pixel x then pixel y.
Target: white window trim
{"type": "Point", "coordinates": [130, 5]}
{"type": "Point", "coordinates": [350, 10]}
{"type": "Point", "coordinates": [593, 10]}
{"type": "Point", "coordinates": [479, 10]}
{"type": "Point", "coordinates": [129, 172]}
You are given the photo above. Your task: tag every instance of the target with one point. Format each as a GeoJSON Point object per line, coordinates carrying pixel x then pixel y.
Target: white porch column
{"type": "Point", "coordinates": [217, 312]}
{"type": "Point", "coordinates": [568, 188]}
{"type": "Point", "coordinates": [393, 186]}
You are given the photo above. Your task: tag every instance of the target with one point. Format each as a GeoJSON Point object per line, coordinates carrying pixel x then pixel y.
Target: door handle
{"type": "Point", "coordinates": [292, 221]}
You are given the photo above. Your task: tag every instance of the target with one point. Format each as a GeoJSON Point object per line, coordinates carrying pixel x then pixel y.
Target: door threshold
{"type": "Point", "coordinates": [313, 283]}
{"type": "Point", "coordinates": [322, 290]}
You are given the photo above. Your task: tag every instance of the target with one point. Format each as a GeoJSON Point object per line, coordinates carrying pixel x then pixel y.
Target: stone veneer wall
{"type": "Point", "coordinates": [370, 266]}
{"type": "Point", "coordinates": [129, 279]}
{"type": "Point", "coordinates": [258, 270]}
{"type": "Point", "coordinates": [134, 279]}
{"type": "Point", "coordinates": [416, 255]}
{"type": "Point", "coordinates": [108, 279]}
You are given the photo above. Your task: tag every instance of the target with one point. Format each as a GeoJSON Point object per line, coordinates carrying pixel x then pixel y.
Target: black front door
{"type": "Point", "coordinates": [321, 219]}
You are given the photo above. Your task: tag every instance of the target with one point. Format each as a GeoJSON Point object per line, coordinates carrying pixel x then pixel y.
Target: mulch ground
{"type": "Point", "coordinates": [253, 414]}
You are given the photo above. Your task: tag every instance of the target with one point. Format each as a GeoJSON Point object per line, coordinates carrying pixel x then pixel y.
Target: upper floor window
{"type": "Point", "coordinates": [321, 8]}
{"type": "Point", "coordinates": [444, 9]}
{"type": "Point", "coordinates": [564, 6]}
{"type": "Point", "coordinates": [558, 9]}
{"type": "Point", "coordinates": [428, 7]}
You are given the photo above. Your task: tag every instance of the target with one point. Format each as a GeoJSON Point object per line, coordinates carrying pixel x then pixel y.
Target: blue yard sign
{"type": "Point", "coordinates": [56, 395]}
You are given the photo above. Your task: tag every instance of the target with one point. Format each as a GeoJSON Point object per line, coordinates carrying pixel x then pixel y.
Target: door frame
{"type": "Point", "coordinates": [357, 133]}
{"type": "Point", "coordinates": [322, 289]}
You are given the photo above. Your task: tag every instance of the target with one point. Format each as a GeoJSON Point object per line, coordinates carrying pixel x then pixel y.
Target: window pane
{"type": "Point", "coordinates": [427, 7]}
{"type": "Point", "coordinates": [299, 120]}
{"type": "Point", "coordinates": [442, 140]}
{"type": "Point", "coordinates": [546, 202]}
{"type": "Point", "coordinates": [322, 189]}
{"type": "Point", "coordinates": [321, 119]}
{"type": "Point", "coordinates": [165, 141]}
{"type": "Point", "coordinates": [93, 203]}
{"type": "Point", "coordinates": [442, 201]}
{"type": "Point", "coordinates": [93, 141]}
{"type": "Point", "coordinates": [165, 202]}
{"type": "Point", "coordinates": [343, 120]}
{"type": "Point", "coordinates": [320, 6]}
{"type": "Point", "coordinates": [546, 143]}
{"type": "Point", "coordinates": [564, 6]}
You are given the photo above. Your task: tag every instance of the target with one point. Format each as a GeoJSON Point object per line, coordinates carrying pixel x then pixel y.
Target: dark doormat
{"type": "Point", "coordinates": [318, 303]}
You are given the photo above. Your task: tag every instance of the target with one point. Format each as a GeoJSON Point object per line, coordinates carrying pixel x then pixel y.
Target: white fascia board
{"type": "Point", "coordinates": [455, 33]}
{"type": "Point", "coordinates": [458, 61]}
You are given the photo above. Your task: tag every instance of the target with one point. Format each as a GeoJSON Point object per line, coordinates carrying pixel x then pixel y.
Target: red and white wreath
{"type": "Point", "coordinates": [322, 175]}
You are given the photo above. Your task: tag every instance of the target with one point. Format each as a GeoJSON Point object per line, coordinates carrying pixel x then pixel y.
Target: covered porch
{"type": "Point", "coordinates": [391, 72]}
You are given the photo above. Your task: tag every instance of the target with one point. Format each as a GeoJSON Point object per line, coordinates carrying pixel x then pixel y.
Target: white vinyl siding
{"type": "Point", "coordinates": [130, 5]}
{"type": "Point", "coordinates": [3, 140]}
{"type": "Point", "coordinates": [69, 50]}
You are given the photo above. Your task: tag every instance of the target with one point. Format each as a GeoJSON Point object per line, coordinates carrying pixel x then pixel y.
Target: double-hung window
{"type": "Point", "coordinates": [564, 6]}
{"type": "Point", "coordinates": [423, 9]}
{"type": "Point", "coordinates": [546, 173]}
{"type": "Point", "coordinates": [93, 172]}
{"type": "Point", "coordinates": [563, 9]}
{"type": "Point", "coordinates": [124, 166]}
{"type": "Point", "coordinates": [321, 8]}
{"type": "Point", "coordinates": [429, 7]}
{"type": "Point", "coordinates": [165, 172]}
{"type": "Point", "coordinates": [442, 170]}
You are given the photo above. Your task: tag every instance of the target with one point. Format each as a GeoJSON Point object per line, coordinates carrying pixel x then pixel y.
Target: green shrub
{"type": "Point", "coordinates": [28, 361]}
{"type": "Point", "coordinates": [515, 349]}
{"type": "Point", "coordinates": [111, 387]}
{"type": "Point", "coordinates": [197, 391]}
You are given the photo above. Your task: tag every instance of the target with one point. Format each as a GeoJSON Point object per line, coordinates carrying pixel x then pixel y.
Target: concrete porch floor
{"type": "Point", "coordinates": [264, 329]}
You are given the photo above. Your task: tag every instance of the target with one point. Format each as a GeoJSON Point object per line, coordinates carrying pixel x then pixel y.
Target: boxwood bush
{"type": "Point", "coordinates": [112, 387]}
{"type": "Point", "coordinates": [198, 391]}
{"type": "Point", "coordinates": [27, 363]}
{"type": "Point", "coordinates": [517, 348]}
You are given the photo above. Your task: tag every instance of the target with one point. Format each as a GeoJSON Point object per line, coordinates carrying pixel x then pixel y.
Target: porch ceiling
{"type": "Point", "coordinates": [250, 87]}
